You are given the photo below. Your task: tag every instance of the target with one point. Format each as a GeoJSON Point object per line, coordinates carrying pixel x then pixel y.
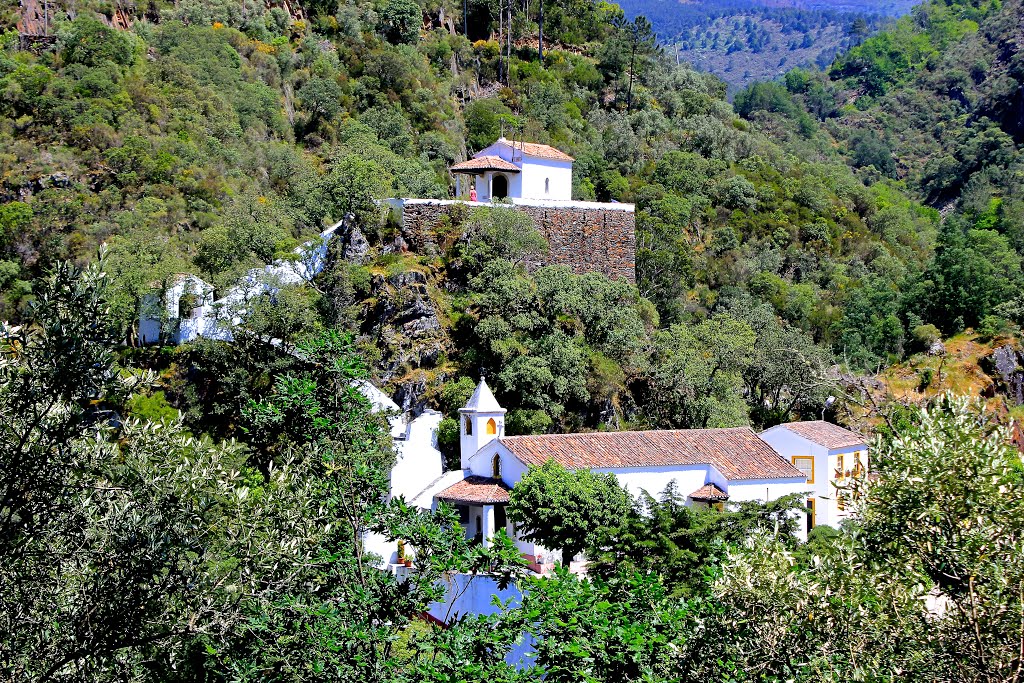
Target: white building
{"type": "Point", "coordinates": [828, 455]}
{"type": "Point", "coordinates": [511, 169]}
{"type": "Point", "coordinates": [185, 308]}
{"type": "Point", "coordinates": [418, 461]}
{"type": "Point", "coordinates": [709, 466]}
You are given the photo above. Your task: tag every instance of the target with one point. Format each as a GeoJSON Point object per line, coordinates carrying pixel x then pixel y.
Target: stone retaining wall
{"type": "Point", "coordinates": [586, 236]}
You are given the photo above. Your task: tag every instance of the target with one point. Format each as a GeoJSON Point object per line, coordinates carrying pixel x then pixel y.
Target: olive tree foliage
{"type": "Point", "coordinates": [788, 373]}
{"type": "Point", "coordinates": [498, 233]}
{"type": "Point", "coordinates": [948, 513]}
{"type": "Point", "coordinates": [695, 378]}
{"type": "Point", "coordinates": [682, 543]}
{"type": "Point", "coordinates": [104, 532]}
{"type": "Point", "coordinates": [562, 509]}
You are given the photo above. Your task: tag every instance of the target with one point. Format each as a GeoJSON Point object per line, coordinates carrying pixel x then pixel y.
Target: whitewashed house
{"type": "Point", "coordinates": [512, 169]}
{"type": "Point", "coordinates": [708, 466]}
{"type": "Point", "coordinates": [418, 460]}
{"type": "Point", "coordinates": [828, 455]}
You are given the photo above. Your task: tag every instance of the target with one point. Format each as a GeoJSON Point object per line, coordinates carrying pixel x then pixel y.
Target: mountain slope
{"type": "Point", "coordinates": [746, 41]}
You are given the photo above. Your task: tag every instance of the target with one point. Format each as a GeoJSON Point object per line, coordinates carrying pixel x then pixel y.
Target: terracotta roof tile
{"type": "Point", "coordinates": [709, 492]}
{"type": "Point", "coordinates": [476, 490]}
{"type": "Point", "coordinates": [534, 149]}
{"type": "Point", "coordinates": [487, 163]}
{"type": "Point", "coordinates": [736, 452]}
{"type": "Point", "coordinates": [826, 434]}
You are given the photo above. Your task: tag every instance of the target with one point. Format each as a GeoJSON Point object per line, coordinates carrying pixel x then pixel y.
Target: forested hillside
{"type": "Point", "coordinates": [214, 139]}
{"type": "Point", "coordinates": [933, 105]}
{"type": "Point", "coordinates": [746, 41]}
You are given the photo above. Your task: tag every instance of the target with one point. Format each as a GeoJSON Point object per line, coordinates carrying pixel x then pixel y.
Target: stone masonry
{"type": "Point", "coordinates": [586, 236]}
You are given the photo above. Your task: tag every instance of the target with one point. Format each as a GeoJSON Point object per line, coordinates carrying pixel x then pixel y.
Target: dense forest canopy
{"type": "Point", "coordinates": [743, 41]}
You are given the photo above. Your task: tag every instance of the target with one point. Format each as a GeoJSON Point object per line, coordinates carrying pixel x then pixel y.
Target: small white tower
{"type": "Point", "coordinates": [482, 421]}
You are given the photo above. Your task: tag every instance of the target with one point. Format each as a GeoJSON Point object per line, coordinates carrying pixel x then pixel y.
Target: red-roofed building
{"type": "Point", "coordinates": [515, 169]}
{"type": "Point", "coordinates": [829, 455]}
{"type": "Point", "coordinates": [719, 466]}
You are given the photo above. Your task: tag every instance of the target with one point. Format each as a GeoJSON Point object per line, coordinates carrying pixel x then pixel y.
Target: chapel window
{"type": "Point", "coordinates": [469, 426]}
{"type": "Point", "coordinates": [492, 427]}
{"type": "Point", "coordinates": [496, 467]}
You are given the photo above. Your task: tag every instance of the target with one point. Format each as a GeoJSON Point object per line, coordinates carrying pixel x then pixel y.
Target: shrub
{"type": "Point", "coordinates": [925, 335]}
{"type": "Point", "coordinates": [448, 443]}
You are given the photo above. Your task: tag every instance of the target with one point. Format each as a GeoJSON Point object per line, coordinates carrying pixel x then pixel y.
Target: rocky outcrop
{"type": "Point", "coordinates": [1006, 367]}
{"type": "Point", "coordinates": [405, 326]}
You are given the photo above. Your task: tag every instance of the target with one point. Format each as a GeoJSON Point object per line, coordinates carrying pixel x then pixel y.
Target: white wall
{"type": "Point", "coordinates": [470, 444]}
{"type": "Point", "coordinates": [835, 515]}
{"type": "Point", "coordinates": [536, 171]}
{"type": "Point", "coordinates": [766, 490]}
{"type": "Point", "coordinates": [465, 594]}
{"type": "Point", "coordinates": [483, 185]}
{"type": "Point", "coordinates": [482, 463]}
{"type": "Point", "coordinates": [150, 322]}
{"type": "Point", "coordinates": [468, 594]}
{"type": "Point", "coordinates": [419, 462]}
{"type": "Point", "coordinates": [788, 444]}
{"type": "Point", "coordinates": [688, 478]}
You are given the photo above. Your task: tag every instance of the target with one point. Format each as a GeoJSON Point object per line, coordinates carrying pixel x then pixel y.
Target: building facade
{"type": "Point", "coordinates": [828, 455]}
{"type": "Point", "coordinates": [512, 169]}
{"type": "Point", "coordinates": [709, 466]}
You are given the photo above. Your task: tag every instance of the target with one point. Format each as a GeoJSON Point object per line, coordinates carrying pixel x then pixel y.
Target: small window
{"type": "Point", "coordinates": [840, 466]}
{"type": "Point", "coordinates": [810, 514]}
{"type": "Point", "coordinates": [858, 465]}
{"type": "Point", "coordinates": [805, 463]}
{"type": "Point", "coordinates": [492, 427]}
{"type": "Point", "coordinates": [547, 185]}
{"type": "Point", "coordinates": [496, 467]}
{"type": "Point", "coordinates": [469, 426]}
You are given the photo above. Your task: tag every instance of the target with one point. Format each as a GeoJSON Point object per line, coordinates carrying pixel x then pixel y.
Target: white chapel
{"type": "Point", "coordinates": [512, 169]}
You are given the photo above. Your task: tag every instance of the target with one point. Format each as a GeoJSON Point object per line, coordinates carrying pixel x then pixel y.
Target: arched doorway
{"type": "Point", "coordinates": [499, 187]}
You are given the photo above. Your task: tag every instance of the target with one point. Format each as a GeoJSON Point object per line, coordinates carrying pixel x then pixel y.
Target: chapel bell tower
{"type": "Point", "coordinates": [482, 420]}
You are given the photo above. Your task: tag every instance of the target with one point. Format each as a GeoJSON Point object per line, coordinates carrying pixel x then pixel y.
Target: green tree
{"type": "Point", "coordinates": [563, 509]}
{"type": "Point", "coordinates": [625, 628]}
{"type": "Point", "coordinates": [696, 374]}
{"type": "Point", "coordinates": [948, 511]}
{"type": "Point", "coordinates": [321, 97]}
{"type": "Point", "coordinates": [484, 118]}
{"type": "Point", "coordinates": [401, 20]}
{"type": "Point", "coordinates": [641, 44]}
{"type": "Point", "coordinates": [13, 217]}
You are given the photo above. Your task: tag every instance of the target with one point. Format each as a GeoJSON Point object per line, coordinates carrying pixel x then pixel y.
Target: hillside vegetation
{"type": "Point", "coordinates": [198, 512]}
{"type": "Point", "coordinates": [746, 41]}
{"type": "Point", "coordinates": [215, 139]}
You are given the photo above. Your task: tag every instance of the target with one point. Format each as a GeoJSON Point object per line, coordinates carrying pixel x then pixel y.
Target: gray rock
{"type": "Point", "coordinates": [410, 395]}
{"type": "Point", "coordinates": [937, 348]}
{"type": "Point", "coordinates": [1008, 364]}
{"type": "Point", "coordinates": [357, 247]}
{"type": "Point", "coordinates": [60, 179]}
{"type": "Point", "coordinates": [407, 278]}
{"type": "Point", "coordinates": [421, 326]}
